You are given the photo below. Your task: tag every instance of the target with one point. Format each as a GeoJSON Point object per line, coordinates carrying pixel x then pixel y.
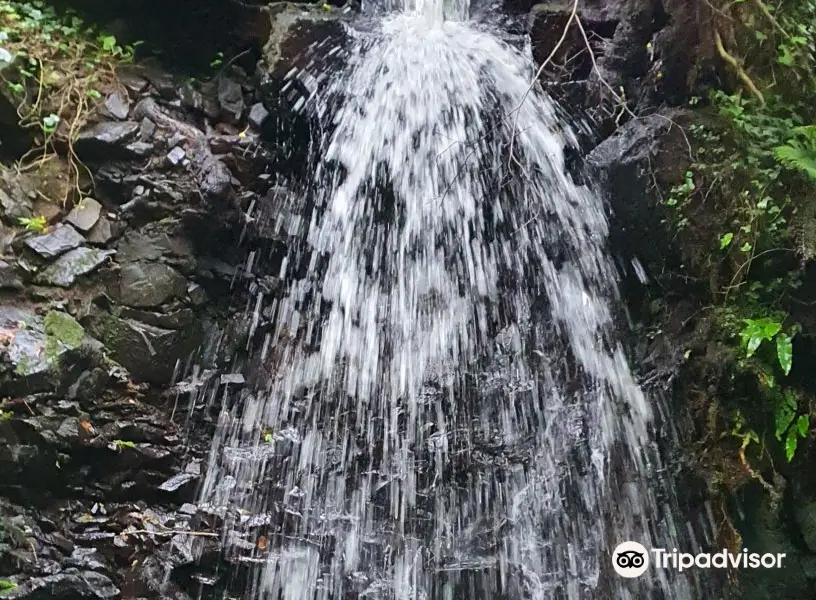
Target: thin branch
{"type": "Point", "coordinates": [168, 532]}
{"type": "Point", "coordinates": [540, 70]}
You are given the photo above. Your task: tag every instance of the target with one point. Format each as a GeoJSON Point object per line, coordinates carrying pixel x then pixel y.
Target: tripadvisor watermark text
{"type": "Point", "coordinates": [631, 559]}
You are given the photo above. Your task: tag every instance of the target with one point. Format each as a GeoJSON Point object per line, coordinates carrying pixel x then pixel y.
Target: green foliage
{"type": "Point", "coordinates": [119, 445]}
{"type": "Point", "coordinates": [54, 64]}
{"type": "Point", "coordinates": [800, 151]}
{"type": "Point", "coordinates": [37, 224]}
{"type": "Point", "coordinates": [753, 175]}
{"type": "Point", "coordinates": [6, 585]}
{"type": "Point", "coordinates": [788, 426]}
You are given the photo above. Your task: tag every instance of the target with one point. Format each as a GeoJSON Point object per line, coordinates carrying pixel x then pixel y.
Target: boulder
{"type": "Point", "coordinates": [146, 284]}
{"type": "Point", "coordinates": [36, 349]}
{"type": "Point", "coordinates": [56, 242]}
{"type": "Point", "coordinates": [104, 138]}
{"type": "Point", "coordinates": [77, 262]}
{"type": "Point", "coordinates": [231, 99]}
{"type": "Point", "coordinates": [104, 231]}
{"type": "Point", "coordinates": [150, 353]}
{"type": "Point", "coordinates": [258, 115]}
{"type": "Point", "coordinates": [85, 214]}
{"type": "Point", "coordinates": [10, 277]}
{"type": "Point", "coordinates": [117, 105]}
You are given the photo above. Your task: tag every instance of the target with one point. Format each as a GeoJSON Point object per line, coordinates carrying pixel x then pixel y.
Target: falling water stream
{"type": "Point", "coordinates": [447, 412]}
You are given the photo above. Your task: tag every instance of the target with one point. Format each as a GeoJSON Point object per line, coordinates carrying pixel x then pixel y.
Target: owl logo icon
{"type": "Point", "coordinates": [630, 559]}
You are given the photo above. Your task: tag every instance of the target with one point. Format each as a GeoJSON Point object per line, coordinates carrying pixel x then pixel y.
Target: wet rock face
{"type": "Point", "coordinates": [642, 52]}
{"type": "Point", "coordinates": [110, 295]}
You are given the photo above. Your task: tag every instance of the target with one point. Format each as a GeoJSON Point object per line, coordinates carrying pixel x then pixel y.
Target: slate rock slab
{"type": "Point", "coordinates": [85, 214]}
{"type": "Point", "coordinates": [107, 136]}
{"type": "Point", "coordinates": [56, 242]}
{"type": "Point", "coordinates": [149, 353]}
{"type": "Point", "coordinates": [79, 261]}
{"type": "Point", "coordinates": [146, 284]}
{"type": "Point", "coordinates": [70, 583]}
{"type": "Point", "coordinates": [34, 346]}
{"type": "Point", "coordinates": [9, 277]}
{"type": "Point", "coordinates": [117, 105]}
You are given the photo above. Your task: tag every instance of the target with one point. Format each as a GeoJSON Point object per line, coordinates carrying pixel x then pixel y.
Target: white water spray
{"type": "Point", "coordinates": [447, 397]}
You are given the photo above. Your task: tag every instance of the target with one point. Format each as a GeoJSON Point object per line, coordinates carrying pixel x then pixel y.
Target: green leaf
{"type": "Point", "coordinates": [725, 240]}
{"type": "Point", "coordinates": [5, 584]}
{"type": "Point", "coordinates": [51, 121]}
{"type": "Point", "coordinates": [784, 415]}
{"type": "Point", "coordinates": [108, 43]}
{"type": "Point", "coordinates": [803, 425]}
{"type": "Point", "coordinates": [756, 331]}
{"type": "Point", "coordinates": [798, 155]}
{"type": "Point", "coordinates": [784, 352]}
{"type": "Point", "coordinates": [791, 442]}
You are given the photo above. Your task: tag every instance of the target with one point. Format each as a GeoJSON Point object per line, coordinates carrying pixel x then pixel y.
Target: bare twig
{"type": "Point", "coordinates": [540, 70]}
{"type": "Point", "coordinates": [169, 532]}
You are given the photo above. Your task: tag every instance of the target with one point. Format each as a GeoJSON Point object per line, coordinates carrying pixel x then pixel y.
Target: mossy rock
{"type": "Point", "coordinates": [42, 353]}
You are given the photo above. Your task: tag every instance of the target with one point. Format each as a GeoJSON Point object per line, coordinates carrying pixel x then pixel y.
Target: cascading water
{"type": "Point", "coordinates": [447, 412]}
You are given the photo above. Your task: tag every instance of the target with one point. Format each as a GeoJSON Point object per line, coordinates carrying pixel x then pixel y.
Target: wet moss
{"type": "Point", "coordinates": [61, 331]}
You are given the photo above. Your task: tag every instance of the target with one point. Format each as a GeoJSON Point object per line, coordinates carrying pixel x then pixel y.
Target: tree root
{"type": "Point", "coordinates": [764, 10]}
{"type": "Point", "coordinates": [743, 76]}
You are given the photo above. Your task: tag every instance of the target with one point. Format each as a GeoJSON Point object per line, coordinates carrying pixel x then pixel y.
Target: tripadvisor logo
{"type": "Point", "coordinates": [631, 559]}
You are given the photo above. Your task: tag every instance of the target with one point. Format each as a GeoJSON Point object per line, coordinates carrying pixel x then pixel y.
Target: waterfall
{"type": "Point", "coordinates": [447, 411]}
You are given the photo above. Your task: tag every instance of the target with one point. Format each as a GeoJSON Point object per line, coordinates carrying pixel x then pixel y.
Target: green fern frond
{"type": "Point", "coordinates": [797, 156]}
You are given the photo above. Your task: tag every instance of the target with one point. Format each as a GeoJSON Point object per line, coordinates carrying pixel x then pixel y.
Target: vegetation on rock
{"type": "Point", "coordinates": [53, 69]}
{"type": "Point", "coordinates": [746, 218]}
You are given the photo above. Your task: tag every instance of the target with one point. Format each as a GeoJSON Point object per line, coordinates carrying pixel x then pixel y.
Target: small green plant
{"type": "Point", "coordinates": [799, 153]}
{"type": "Point", "coordinates": [6, 585]}
{"type": "Point", "coordinates": [56, 67]}
{"type": "Point", "coordinates": [757, 331]}
{"type": "Point", "coordinates": [789, 425]}
{"type": "Point", "coordinates": [110, 47]}
{"type": "Point", "coordinates": [5, 415]}
{"type": "Point", "coordinates": [37, 224]}
{"type": "Point", "coordinates": [119, 445]}
{"type": "Point", "coordinates": [217, 61]}
{"type": "Point", "coordinates": [49, 123]}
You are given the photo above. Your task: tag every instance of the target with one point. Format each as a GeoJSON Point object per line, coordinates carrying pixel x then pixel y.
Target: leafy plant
{"type": "Point", "coordinates": [37, 224]}
{"type": "Point", "coordinates": [788, 426]}
{"type": "Point", "coordinates": [119, 445]}
{"type": "Point", "coordinates": [751, 178]}
{"type": "Point", "coordinates": [54, 65]}
{"type": "Point", "coordinates": [757, 331]}
{"type": "Point", "coordinates": [800, 151]}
